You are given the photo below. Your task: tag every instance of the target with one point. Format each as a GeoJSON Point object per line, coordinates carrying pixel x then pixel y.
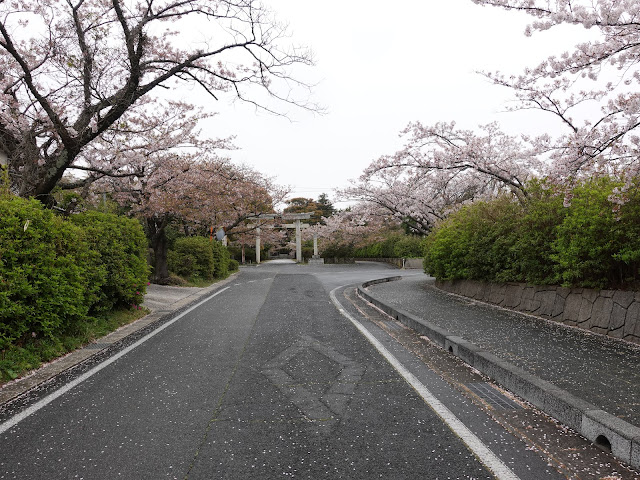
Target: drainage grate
{"type": "Point", "coordinates": [493, 397]}
{"type": "Point", "coordinates": [97, 346]}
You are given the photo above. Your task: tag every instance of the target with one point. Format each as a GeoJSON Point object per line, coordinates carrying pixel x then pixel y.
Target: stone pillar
{"type": "Point", "coordinates": [257, 245]}
{"type": "Point", "coordinates": [298, 243]}
{"type": "Point", "coordinates": [316, 260]}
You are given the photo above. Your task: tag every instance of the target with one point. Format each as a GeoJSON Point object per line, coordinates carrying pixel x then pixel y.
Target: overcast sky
{"type": "Point", "coordinates": [380, 65]}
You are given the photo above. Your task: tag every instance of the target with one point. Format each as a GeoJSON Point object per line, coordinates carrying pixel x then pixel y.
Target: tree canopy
{"type": "Point", "coordinates": [75, 70]}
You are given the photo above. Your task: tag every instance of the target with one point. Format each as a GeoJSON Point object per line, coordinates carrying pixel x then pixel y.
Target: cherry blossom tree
{"type": "Point", "coordinates": [352, 227]}
{"type": "Point", "coordinates": [441, 167]}
{"type": "Point", "coordinates": [591, 90]}
{"type": "Point", "coordinates": [73, 68]}
{"type": "Point", "coordinates": [199, 188]}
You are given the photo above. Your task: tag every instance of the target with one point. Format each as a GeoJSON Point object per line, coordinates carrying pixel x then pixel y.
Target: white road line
{"type": "Point", "coordinates": [13, 421]}
{"type": "Point", "coordinates": [484, 454]}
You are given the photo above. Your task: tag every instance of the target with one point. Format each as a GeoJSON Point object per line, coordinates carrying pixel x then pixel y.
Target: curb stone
{"type": "Point", "coordinates": [16, 388]}
{"type": "Point", "coordinates": [585, 418]}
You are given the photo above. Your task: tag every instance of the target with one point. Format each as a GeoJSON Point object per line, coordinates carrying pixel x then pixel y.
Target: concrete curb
{"type": "Point", "coordinates": [21, 386]}
{"type": "Point", "coordinates": [596, 425]}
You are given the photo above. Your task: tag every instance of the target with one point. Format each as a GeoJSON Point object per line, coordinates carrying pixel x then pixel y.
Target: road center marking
{"type": "Point", "coordinates": [484, 454]}
{"type": "Point", "coordinates": [13, 421]}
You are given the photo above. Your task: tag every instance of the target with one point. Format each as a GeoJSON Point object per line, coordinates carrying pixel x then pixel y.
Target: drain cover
{"type": "Point", "coordinates": [97, 346]}
{"type": "Point", "coordinates": [492, 396]}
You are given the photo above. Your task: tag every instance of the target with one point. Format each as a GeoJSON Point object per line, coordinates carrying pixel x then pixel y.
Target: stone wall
{"type": "Point", "coordinates": [615, 313]}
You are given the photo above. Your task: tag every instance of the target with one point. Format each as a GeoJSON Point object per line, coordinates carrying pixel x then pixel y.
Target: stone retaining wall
{"type": "Point", "coordinates": [615, 313]}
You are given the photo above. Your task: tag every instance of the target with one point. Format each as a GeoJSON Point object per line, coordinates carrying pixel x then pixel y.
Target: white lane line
{"type": "Point", "coordinates": [484, 454]}
{"type": "Point", "coordinates": [13, 421]}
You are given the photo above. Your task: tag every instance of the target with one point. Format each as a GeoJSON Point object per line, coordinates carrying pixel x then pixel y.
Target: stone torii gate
{"type": "Point", "coordinates": [298, 225]}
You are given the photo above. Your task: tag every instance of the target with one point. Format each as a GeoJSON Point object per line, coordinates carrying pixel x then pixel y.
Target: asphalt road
{"type": "Point", "coordinates": [269, 378]}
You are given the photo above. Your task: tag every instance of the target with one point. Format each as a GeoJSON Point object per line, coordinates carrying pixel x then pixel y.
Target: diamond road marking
{"type": "Point", "coordinates": [315, 407]}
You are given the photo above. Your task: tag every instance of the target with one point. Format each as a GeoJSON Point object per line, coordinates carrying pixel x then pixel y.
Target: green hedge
{"type": "Point", "coordinates": [394, 246]}
{"type": "Point", "coordinates": [199, 257]}
{"type": "Point", "coordinates": [56, 273]}
{"type": "Point", "coordinates": [590, 243]}
{"type": "Point", "coordinates": [122, 257]}
{"type": "Point", "coordinates": [221, 259]}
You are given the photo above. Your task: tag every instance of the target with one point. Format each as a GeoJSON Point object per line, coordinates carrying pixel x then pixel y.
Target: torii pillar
{"type": "Point", "coordinates": [258, 245]}
{"type": "Point", "coordinates": [296, 217]}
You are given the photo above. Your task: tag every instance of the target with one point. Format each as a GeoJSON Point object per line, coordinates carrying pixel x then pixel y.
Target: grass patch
{"type": "Point", "coordinates": [18, 360]}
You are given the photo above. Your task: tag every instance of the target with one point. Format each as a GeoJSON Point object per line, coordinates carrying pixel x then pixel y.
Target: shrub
{"type": "Point", "coordinates": [46, 280]}
{"type": "Point", "coordinates": [395, 245]}
{"type": "Point", "coordinates": [199, 257]}
{"type": "Point", "coordinates": [337, 250]}
{"type": "Point", "coordinates": [535, 233]}
{"type": "Point", "coordinates": [407, 246]}
{"type": "Point", "coordinates": [121, 259]}
{"type": "Point", "coordinates": [596, 245]}
{"type": "Point", "coordinates": [221, 259]}
{"type": "Point", "coordinates": [592, 243]}
{"type": "Point", "coordinates": [192, 257]}
{"type": "Point", "coordinates": [234, 265]}
{"type": "Point", "coordinates": [446, 250]}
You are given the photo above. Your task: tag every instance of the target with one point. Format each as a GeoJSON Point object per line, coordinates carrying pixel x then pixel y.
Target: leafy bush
{"type": "Point", "coordinates": [596, 245]}
{"type": "Point", "coordinates": [199, 257]}
{"type": "Point", "coordinates": [234, 265]}
{"type": "Point", "coordinates": [192, 257]}
{"type": "Point", "coordinates": [121, 259]}
{"type": "Point", "coordinates": [393, 246]}
{"type": "Point", "coordinates": [592, 243]}
{"type": "Point", "coordinates": [46, 282]}
{"type": "Point", "coordinates": [337, 250]}
{"type": "Point", "coordinates": [221, 259]}
{"type": "Point", "coordinates": [408, 246]}
{"type": "Point", "coordinates": [56, 274]}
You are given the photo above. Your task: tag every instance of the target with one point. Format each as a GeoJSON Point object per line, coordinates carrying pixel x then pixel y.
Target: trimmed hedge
{"type": "Point", "coordinates": [199, 257]}
{"type": "Point", "coordinates": [56, 273]}
{"type": "Point", "coordinates": [191, 257]}
{"type": "Point", "coordinates": [122, 257]}
{"type": "Point", "coordinates": [393, 246]}
{"type": "Point", "coordinates": [592, 243]}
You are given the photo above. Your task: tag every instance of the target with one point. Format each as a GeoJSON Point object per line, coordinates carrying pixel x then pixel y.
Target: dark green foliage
{"type": "Point", "coordinates": [234, 265]}
{"type": "Point", "coordinates": [221, 259]}
{"type": "Point", "coordinates": [199, 257]}
{"type": "Point", "coordinates": [45, 285]}
{"type": "Point", "coordinates": [599, 246]}
{"type": "Point", "coordinates": [57, 275]}
{"type": "Point", "coordinates": [395, 245]}
{"type": "Point", "coordinates": [121, 261]}
{"type": "Point", "coordinates": [591, 243]}
{"type": "Point", "coordinates": [337, 250]}
{"type": "Point", "coordinates": [192, 257]}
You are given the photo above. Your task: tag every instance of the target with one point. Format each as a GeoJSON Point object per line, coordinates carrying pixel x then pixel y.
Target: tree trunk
{"type": "Point", "coordinates": [160, 248]}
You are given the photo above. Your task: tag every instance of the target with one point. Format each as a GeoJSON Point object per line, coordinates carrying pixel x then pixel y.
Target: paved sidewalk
{"type": "Point", "coordinates": [594, 369]}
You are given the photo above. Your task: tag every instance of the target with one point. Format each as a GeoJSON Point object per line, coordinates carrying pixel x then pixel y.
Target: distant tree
{"type": "Point", "coordinates": [304, 205]}
{"type": "Point", "coordinates": [319, 209]}
{"type": "Point", "coordinates": [325, 205]}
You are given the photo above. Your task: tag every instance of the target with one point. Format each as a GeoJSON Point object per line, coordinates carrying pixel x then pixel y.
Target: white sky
{"type": "Point", "coordinates": [380, 65]}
